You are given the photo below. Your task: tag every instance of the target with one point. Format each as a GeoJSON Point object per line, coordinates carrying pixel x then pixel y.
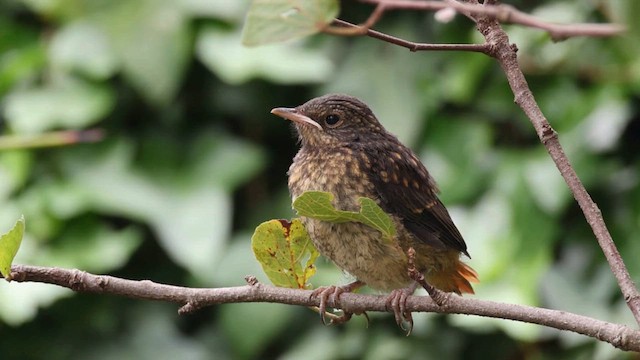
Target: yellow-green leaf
{"type": "Point", "coordinates": [270, 21]}
{"type": "Point", "coordinates": [318, 205]}
{"type": "Point", "coordinates": [9, 244]}
{"type": "Point", "coordinates": [285, 252]}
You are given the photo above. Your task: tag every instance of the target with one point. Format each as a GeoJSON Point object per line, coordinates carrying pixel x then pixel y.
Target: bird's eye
{"type": "Point", "coordinates": [332, 119]}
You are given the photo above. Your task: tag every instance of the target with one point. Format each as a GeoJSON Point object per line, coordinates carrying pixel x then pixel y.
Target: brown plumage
{"type": "Point", "coordinates": [347, 152]}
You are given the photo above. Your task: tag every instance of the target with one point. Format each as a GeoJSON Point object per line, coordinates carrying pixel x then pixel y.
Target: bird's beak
{"type": "Point", "coordinates": [293, 115]}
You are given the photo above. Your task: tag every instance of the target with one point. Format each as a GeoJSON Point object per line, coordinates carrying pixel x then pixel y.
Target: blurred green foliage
{"type": "Point", "coordinates": [193, 161]}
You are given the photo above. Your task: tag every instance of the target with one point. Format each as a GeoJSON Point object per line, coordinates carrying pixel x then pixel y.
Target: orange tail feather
{"type": "Point", "coordinates": [458, 281]}
{"type": "Point", "coordinates": [464, 277]}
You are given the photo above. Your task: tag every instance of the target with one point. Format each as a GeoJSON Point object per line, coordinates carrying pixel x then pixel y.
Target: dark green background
{"type": "Point", "coordinates": [193, 161]}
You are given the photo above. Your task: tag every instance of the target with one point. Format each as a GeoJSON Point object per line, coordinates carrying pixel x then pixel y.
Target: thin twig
{"type": "Point", "coordinates": [361, 29]}
{"type": "Point", "coordinates": [192, 299]}
{"type": "Point", "coordinates": [507, 14]}
{"type": "Point", "coordinates": [482, 48]}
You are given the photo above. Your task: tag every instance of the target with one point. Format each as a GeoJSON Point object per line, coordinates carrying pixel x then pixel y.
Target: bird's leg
{"type": "Point", "coordinates": [397, 302]}
{"type": "Point", "coordinates": [438, 296]}
{"type": "Point", "coordinates": [324, 292]}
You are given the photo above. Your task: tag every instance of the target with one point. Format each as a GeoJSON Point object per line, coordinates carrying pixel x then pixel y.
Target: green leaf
{"type": "Point", "coordinates": [286, 253]}
{"type": "Point", "coordinates": [317, 205]}
{"type": "Point", "coordinates": [9, 245]}
{"type": "Point", "coordinates": [270, 21]}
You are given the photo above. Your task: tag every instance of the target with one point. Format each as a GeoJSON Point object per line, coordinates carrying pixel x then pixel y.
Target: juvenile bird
{"type": "Point", "coordinates": [347, 152]}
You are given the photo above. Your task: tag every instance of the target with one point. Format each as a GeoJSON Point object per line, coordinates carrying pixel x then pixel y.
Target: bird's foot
{"type": "Point", "coordinates": [397, 302]}
{"type": "Point", "coordinates": [334, 291]}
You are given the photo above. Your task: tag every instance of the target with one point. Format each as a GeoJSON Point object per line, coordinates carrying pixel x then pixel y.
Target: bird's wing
{"type": "Point", "coordinates": [408, 191]}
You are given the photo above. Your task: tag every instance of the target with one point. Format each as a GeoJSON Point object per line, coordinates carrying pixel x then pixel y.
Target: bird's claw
{"type": "Point", "coordinates": [323, 293]}
{"type": "Point", "coordinates": [397, 302]}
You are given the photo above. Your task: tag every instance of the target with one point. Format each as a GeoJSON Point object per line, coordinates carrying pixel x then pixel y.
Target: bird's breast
{"type": "Point", "coordinates": [339, 172]}
{"type": "Point", "coordinates": [354, 247]}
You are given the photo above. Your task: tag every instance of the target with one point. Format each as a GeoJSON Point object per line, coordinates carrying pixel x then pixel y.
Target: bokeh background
{"type": "Point", "coordinates": [192, 162]}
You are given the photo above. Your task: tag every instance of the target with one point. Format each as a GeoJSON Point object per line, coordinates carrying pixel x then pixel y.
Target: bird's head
{"type": "Point", "coordinates": [333, 120]}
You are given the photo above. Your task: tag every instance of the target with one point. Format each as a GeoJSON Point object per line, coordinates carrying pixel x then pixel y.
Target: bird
{"type": "Point", "coordinates": [345, 150]}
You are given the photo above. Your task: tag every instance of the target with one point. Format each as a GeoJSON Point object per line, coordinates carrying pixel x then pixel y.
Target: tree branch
{"type": "Point", "coordinates": [505, 54]}
{"type": "Point", "coordinates": [497, 46]}
{"type": "Point", "coordinates": [192, 299]}
{"type": "Point", "coordinates": [506, 14]}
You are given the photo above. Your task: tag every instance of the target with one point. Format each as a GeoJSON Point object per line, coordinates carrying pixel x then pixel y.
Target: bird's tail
{"type": "Point", "coordinates": [458, 281]}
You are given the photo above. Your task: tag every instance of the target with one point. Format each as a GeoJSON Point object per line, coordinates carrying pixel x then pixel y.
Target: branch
{"type": "Point", "coordinates": [505, 54]}
{"type": "Point", "coordinates": [497, 46]}
{"type": "Point", "coordinates": [506, 14]}
{"type": "Point", "coordinates": [482, 48]}
{"type": "Point", "coordinates": [193, 299]}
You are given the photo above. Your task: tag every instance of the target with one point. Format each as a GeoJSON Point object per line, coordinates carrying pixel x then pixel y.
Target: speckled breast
{"type": "Point", "coordinates": [356, 248]}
